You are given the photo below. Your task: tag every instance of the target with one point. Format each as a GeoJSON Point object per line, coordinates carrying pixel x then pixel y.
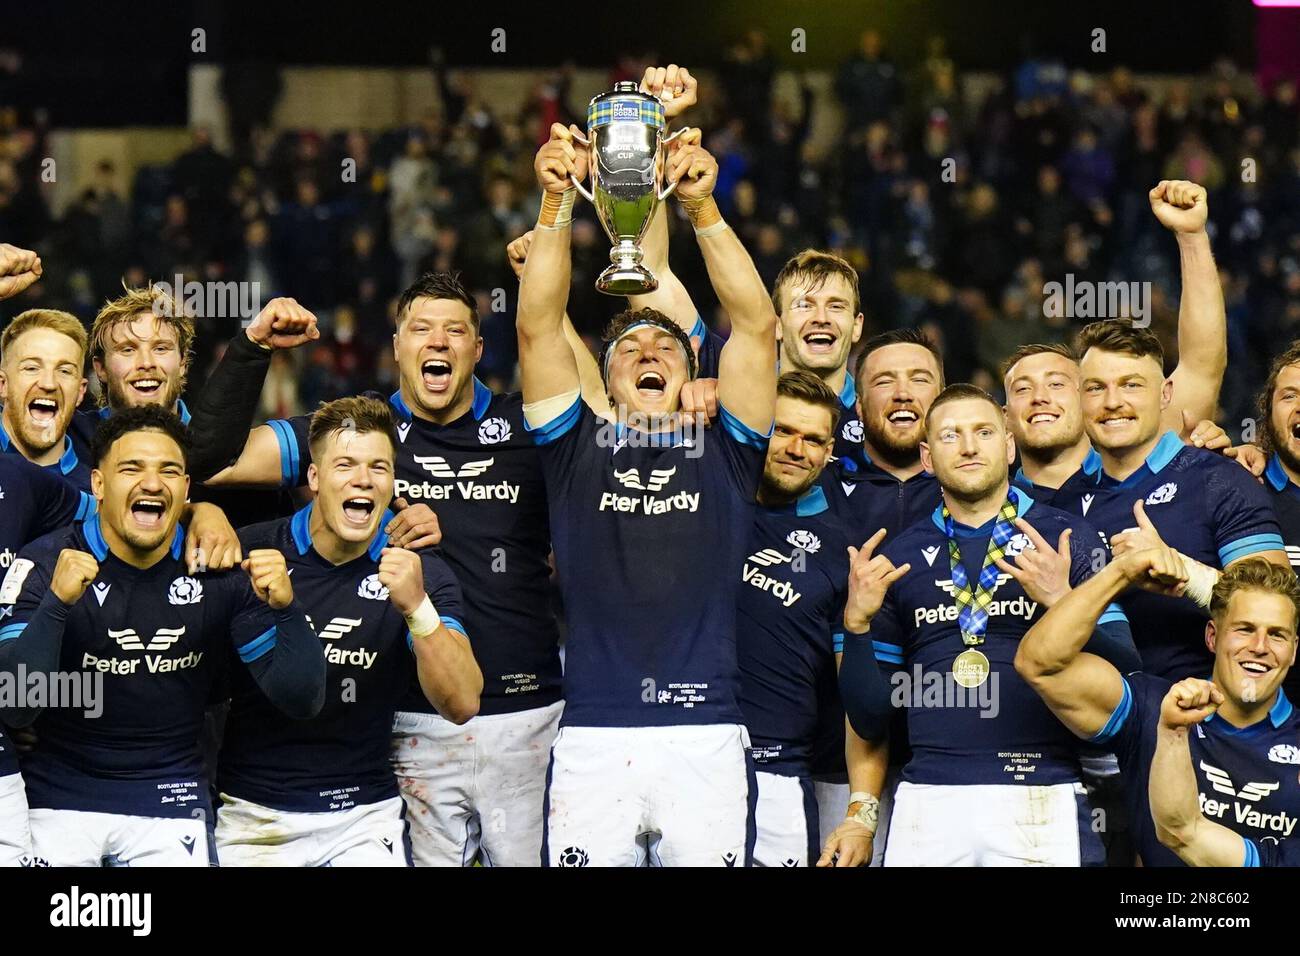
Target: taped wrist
{"type": "Point", "coordinates": [1201, 580]}
{"type": "Point", "coordinates": [704, 215]}
{"type": "Point", "coordinates": [423, 621]}
{"type": "Point", "coordinates": [557, 209]}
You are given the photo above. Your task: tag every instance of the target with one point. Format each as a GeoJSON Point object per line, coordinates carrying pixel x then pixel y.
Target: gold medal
{"type": "Point", "coordinates": [970, 668]}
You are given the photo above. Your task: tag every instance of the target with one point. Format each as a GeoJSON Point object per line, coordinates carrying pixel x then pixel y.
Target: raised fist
{"type": "Point", "coordinates": [674, 86]}
{"type": "Point", "coordinates": [402, 573]}
{"type": "Point", "coordinates": [1179, 205]}
{"type": "Point", "coordinates": [283, 324]}
{"type": "Point", "coordinates": [269, 576]}
{"type": "Point", "coordinates": [560, 157]}
{"type": "Point", "coordinates": [73, 573]}
{"type": "Point", "coordinates": [692, 168]}
{"type": "Point", "coordinates": [19, 268]}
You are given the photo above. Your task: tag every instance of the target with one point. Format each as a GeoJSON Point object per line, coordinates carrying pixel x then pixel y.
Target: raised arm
{"type": "Point", "coordinates": [1175, 801]}
{"type": "Point", "coordinates": [1202, 322]}
{"type": "Point", "coordinates": [546, 361]}
{"type": "Point", "coordinates": [747, 367]}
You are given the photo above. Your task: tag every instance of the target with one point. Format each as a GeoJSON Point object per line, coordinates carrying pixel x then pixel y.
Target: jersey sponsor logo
{"type": "Point", "coordinates": [1015, 607]}
{"type": "Point", "coordinates": [371, 588]}
{"type": "Point", "coordinates": [948, 587]}
{"type": "Point", "coordinates": [659, 478]}
{"type": "Point", "coordinates": [1087, 502]}
{"type": "Point", "coordinates": [337, 629]}
{"type": "Point", "coordinates": [768, 557]}
{"type": "Point", "coordinates": [7, 558]}
{"type": "Point", "coordinates": [493, 431]}
{"type": "Point", "coordinates": [930, 554]}
{"type": "Point", "coordinates": [155, 653]}
{"type": "Point", "coordinates": [184, 590]}
{"type": "Point", "coordinates": [1164, 494]}
{"type": "Point", "coordinates": [804, 540]}
{"type": "Point", "coordinates": [852, 431]}
{"type": "Point", "coordinates": [437, 466]}
{"type": "Point", "coordinates": [101, 589]}
{"type": "Point", "coordinates": [783, 591]}
{"type": "Point", "coordinates": [14, 578]}
{"type": "Point", "coordinates": [1243, 813]}
{"type": "Point", "coordinates": [1284, 753]}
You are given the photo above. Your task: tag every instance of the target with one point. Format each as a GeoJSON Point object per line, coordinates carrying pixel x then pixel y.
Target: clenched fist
{"type": "Point", "coordinates": [692, 168]}
{"type": "Point", "coordinates": [517, 253]}
{"type": "Point", "coordinates": [402, 573]}
{"type": "Point", "coordinates": [1179, 205]}
{"type": "Point", "coordinates": [73, 573]}
{"type": "Point", "coordinates": [562, 156]}
{"type": "Point", "coordinates": [674, 86]}
{"type": "Point", "coordinates": [1189, 702]}
{"type": "Point", "coordinates": [269, 576]}
{"type": "Point", "coordinates": [283, 324]}
{"type": "Point", "coordinates": [19, 268]}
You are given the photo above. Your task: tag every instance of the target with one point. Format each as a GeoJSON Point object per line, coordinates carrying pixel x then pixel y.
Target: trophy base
{"type": "Point", "coordinates": [627, 278]}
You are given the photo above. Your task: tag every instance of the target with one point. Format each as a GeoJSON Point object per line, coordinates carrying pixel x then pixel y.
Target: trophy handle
{"type": "Point", "coordinates": [672, 187]}
{"type": "Point", "coordinates": [586, 193]}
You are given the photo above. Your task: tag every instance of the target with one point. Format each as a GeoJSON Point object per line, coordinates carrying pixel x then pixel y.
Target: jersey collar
{"type": "Point", "coordinates": [1278, 715]}
{"type": "Point", "coordinates": [68, 461]}
{"type": "Point", "coordinates": [94, 536]}
{"type": "Point", "coordinates": [1167, 448]}
{"type": "Point", "coordinates": [478, 408]}
{"type": "Point", "coordinates": [182, 411]}
{"type": "Point", "coordinates": [849, 393]}
{"type": "Point", "coordinates": [811, 502]}
{"type": "Point", "coordinates": [300, 527]}
{"type": "Point", "coordinates": [1023, 504]}
{"type": "Point", "coordinates": [1275, 475]}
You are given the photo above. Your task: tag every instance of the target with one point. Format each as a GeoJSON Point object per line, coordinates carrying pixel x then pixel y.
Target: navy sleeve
{"type": "Point", "coordinates": [1122, 733]}
{"type": "Point", "coordinates": [1244, 522]}
{"type": "Point", "coordinates": [295, 452]}
{"type": "Point", "coordinates": [744, 449]}
{"type": "Point", "coordinates": [280, 650]}
{"type": "Point", "coordinates": [863, 689]}
{"type": "Point", "coordinates": [57, 503]}
{"type": "Point", "coordinates": [564, 438]}
{"type": "Point", "coordinates": [32, 633]}
{"type": "Point", "coordinates": [710, 348]}
{"type": "Point", "coordinates": [226, 407]}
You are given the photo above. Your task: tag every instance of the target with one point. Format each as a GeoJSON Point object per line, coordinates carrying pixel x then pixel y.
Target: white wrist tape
{"type": "Point", "coordinates": [557, 217]}
{"type": "Point", "coordinates": [424, 620]}
{"type": "Point", "coordinates": [712, 230]}
{"type": "Point", "coordinates": [869, 813]}
{"type": "Point", "coordinates": [1201, 580]}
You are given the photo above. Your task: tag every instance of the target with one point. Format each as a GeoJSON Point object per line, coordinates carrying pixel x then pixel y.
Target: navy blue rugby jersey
{"type": "Point", "coordinates": [1268, 853]}
{"type": "Point", "coordinates": [340, 758]}
{"type": "Point", "coordinates": [482, 475]}
{"type": "Point", "coordinates": [649, 531]}
{"type": "Point", "coordinates": [791, 602]}
{"type": "Point", "coordinates": [866, 498]}
{"type": "Point", "coordinates": [157, 637]}
{"type": "Point", "coordinates": [848, 436]}
{"type": "Point", "coordinates": [73, 465]}
{"type": "Point", "coordinates": [1286, 506]}
{"type": "Point", "coordinates": [1247, 776]}
{"type": "Point", "coordinates": [999, 733]}
{"type": "Point", "coordinates": [1048, 496]}
{"type": "Point", "coordinates": [1206, 506]}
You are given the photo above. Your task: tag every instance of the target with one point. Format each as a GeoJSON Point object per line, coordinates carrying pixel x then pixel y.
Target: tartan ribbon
{"type": "Point", "coordinates": [973, 605]}
{"type": "Point", "coordinates": [646, 110]}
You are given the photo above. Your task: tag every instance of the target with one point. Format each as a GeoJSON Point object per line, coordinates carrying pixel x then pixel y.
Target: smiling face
{"type": "Point", "coordinates": [968, 449]}
{"type": "Point", "coordinates": [896, 385]}
{"type": "Point", "coordinates": [1284, 417]}
{"type": "Point", "coordinates": [1253, 640]}
{"type": "Point", "coordinates": [646, 371]}
{"type": "Point", "coordinates": [1123, 396]}
{"type": "Point", "coordinates": [351, 476]}
{"type": "Point", "coordinates": [817, 327]}
{"type": "Point", "coordinates": [437, 346]}
{"type": "Point", "coordinates": [142, 487]}
{"type": "Point", "coordinates": [41, 387]}
{"type": "Point", "coordinates": [142, 363]}
{"type": "Point", "coordinates": [801, 442]}
{"type": "Point", "coordinates": [1044, 406]}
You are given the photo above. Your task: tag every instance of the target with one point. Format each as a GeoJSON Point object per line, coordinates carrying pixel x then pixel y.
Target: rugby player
{"type": "Point", "coordinates": [1243, 754]}
{"type": "Point", "coordinates": [112, 597]}
{"type": "Point", "coordinates": [953, 622]}
{"type": "Point", "coordinates": [322, 792]}
{"type": "Point", "coordinates": [651, 760]}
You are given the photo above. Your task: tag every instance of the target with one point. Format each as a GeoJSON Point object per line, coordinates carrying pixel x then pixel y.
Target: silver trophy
{"type": "Point", "coordinates": [625, 140]}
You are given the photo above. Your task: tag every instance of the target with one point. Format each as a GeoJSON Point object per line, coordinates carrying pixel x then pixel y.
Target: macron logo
{"type": "Point", "coordinates": [1087, 502]}
{"type": "Point", "coordinates": [930, 554]}
{"type": "Point", "coordinates": [101, 591]}
{"type": "Point", "coordinates": [437, 466]}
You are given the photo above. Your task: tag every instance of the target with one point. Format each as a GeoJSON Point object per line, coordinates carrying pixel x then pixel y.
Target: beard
{"type": "Point", "coordinates": [171, 392]}
{"type": "Point", "coordinates": [897, 453]}
{"type": "Point", "coordinates": [37, 439]}
{"type": "Point", "coordinates": [1281, 445]}
{"type": "Point", "coordinates": [780, 488]}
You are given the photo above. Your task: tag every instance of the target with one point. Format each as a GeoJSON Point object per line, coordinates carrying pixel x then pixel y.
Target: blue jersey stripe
{"type": "Point", "coordinates": [557, 426]}
{"type": "Point", "coordinates": [837, 643]}
{"type": "Point", "coordinates": [1117, 718]}
{"type": "Point", "coordinates": [453, 624]}
{"type": "Point", "coordinates": [887, 648]}
{"type": "Point", "coordinates": [1113, 614]}
{"type": "Point", "coordinates": [1251, 544]}
{"type": "Point", "coordinates": [888, 658]}
{"type": "Point", "coordinates": [10, 631]}
{"type": "Point", "coordinates": [742, 432]}
{"type": "Point", "coordinates": [1252, 853]}
{"type": "Point", "coordinates": [288, 451]}
{"type": "Point", "coordinates": [257, 646]}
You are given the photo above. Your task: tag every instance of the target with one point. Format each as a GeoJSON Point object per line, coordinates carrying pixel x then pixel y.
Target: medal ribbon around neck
{"type": "Point", "coordinates": [973, 606]}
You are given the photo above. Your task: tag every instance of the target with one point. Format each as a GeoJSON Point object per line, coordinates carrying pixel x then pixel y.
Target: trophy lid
{"type": "Point", "coordinates": [625, 103]}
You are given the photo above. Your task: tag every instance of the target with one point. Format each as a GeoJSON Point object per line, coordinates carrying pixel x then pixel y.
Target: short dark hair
{"type": "Point", "coordinates": [1044, 348]}
{"type": "Point", "coordinates": [807, 387]}
{"type": "Point", "coordinates": [907, 336]}
{"type": "Point", "coordinates": [1117, 335]}
{"type": "Point", "coordinates": [958, 392]}
{"type": "Point", "coordinates": [1265, 401]}
{"type": "Point", "coordinates": [139, 418]}
{"type": "Point", "coordinates": [359, 414]}
{"type": "Point", "coordinates": [1254, 574]}
{"type": "Point", "coordinates": [438, 285]}
{"type": "Point", "coordinates": [630, 317]}
{"type": "Point", "coordinates": [815, 267]}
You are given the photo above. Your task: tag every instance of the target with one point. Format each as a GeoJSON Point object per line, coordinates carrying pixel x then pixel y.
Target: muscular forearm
{"type": "Point", "coordinates": [449, 676]}
{"type": "Point", "coordinates": [739, 287]}
{"type": "Point", "coordinates": [1202, 330]}
{"type": "Point", "coordinates": [544, 285]}
{"type": "Point", "coordinates": [1176, 807]}
{"type": "Point", "coordinates": [867, 761]}
{"type": "Point", "coordinates": [1060, 634]}
{"type": "Point", "coordinates": [225, 408]}
{"type": "Point", "coordinates": [671, 298]}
